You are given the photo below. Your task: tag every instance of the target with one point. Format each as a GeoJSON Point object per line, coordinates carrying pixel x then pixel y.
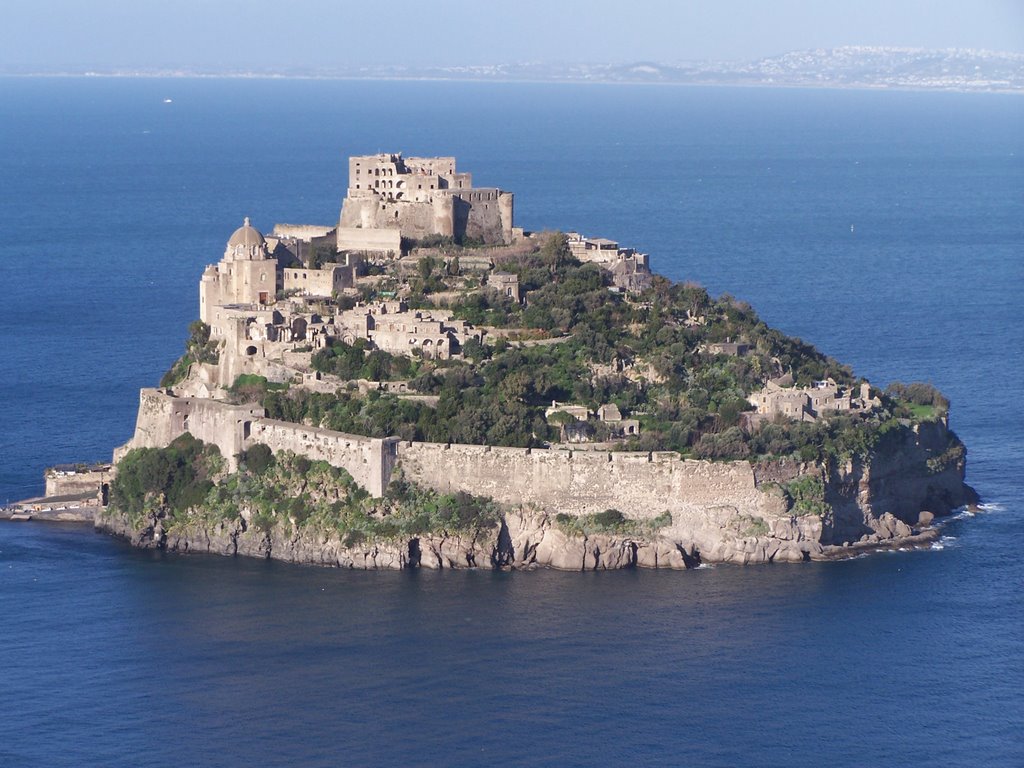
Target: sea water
{"type": "Point", "coordinates": [886, 228]}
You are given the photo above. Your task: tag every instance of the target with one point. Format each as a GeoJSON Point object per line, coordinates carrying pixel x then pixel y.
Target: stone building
{"type": "Point", "coordinates": [505, 283]}
{"type": "Point", "coordinates": [774, 400]}
{"type": "Point", "coordinates": [396, 197]}
{"type": "Point", "coordinates": [610, 414]}
{"type": "Point", "coordinates": [326, 282]}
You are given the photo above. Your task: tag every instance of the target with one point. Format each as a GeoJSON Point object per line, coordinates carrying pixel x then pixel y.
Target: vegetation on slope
{"type": "Point", "coordinates": [611, 521]}
{"type": "Point", "coordinates": [176, 477]}
{"type": "Point", "coordinates": [199, 348]}
{"type": "Point", "coordinates": [357, 361]}
{"type": "Point", "coordinates": [186, 483]}
{"type": "Point", "coordinates": [647, 354]}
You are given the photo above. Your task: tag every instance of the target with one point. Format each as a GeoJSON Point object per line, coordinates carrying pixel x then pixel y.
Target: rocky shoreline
{"type": "Point", "coordinates": [522, 540]}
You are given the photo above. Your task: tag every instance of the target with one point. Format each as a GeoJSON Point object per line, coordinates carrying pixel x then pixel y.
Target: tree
{"type": "Point", "coordinates": [426, 266]}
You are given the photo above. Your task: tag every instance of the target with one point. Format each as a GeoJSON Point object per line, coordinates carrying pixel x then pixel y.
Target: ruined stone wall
{"type": "Point", "coordinates": [363, 457]}
{"type": "Point", "coordinates": [305, 232]}
{"type": "Point", "coordinates": [641, 485]}
{"type": "Point", "coordinates": [357, 238]}
{"type": "Point", "coordinates": [68, 483]}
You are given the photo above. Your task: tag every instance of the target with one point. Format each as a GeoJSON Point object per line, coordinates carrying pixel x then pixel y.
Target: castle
{"type": "Point", "coordinates": [273, 301]}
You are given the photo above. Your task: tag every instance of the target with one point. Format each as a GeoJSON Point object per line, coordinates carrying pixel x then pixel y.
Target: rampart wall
{"type": "Point", "coordinates": [641, 485]}
{"type": "Point", "coordinates": [162, 418]}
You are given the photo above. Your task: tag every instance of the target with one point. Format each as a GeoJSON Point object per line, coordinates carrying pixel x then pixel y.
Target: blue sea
{"type": "Point", "coordinates": [886, 228]}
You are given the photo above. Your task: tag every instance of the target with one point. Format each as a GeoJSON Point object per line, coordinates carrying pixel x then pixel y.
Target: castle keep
{"type": "Point", "coordinates": [390, 197]}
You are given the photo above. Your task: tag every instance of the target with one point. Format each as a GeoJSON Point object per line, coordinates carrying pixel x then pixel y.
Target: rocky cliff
{"type": "Point", "coordinates": [521, 539]}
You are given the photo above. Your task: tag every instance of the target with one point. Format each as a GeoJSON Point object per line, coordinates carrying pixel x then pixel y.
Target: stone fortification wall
{"type": "Point", "coordinates": [641, 485]}
{"type": "Point", "coordinates": [410, 218]}
{"type": "Point", "coordinates": [483, 214]}
{"type": "Point", "coordinates": [61, 482]}
{"type": "Point", "coordinates": [357, 238]}
{"type": "Point", "coordinates": [365, 458]}
{"type": "Point", "coordinates": [717, 510]}
{"type": "Point", "coordinates": [233, 428]}
{"type": "Point", "coordinates": [163, 417]}
{"type": "Point", "coordinates": [577, 482]}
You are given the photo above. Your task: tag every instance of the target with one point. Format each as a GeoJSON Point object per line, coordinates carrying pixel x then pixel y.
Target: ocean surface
{"type": "Point", "coordinates": [886, 228]}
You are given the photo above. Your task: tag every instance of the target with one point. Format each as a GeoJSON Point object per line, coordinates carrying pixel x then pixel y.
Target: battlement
{"type": "Point", "coordinates": [386, 171]}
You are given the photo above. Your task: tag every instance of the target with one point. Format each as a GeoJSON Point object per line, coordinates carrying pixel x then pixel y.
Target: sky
{"type": "Point", "coordinates": [79, 35]}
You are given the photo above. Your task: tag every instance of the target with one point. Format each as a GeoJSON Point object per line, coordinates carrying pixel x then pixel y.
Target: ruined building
{"type": "Point", "coordinates": [810, 403]}
{"type": "Point", "coordinates": [631, 271]}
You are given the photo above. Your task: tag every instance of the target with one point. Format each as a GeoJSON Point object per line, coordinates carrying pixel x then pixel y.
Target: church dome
{"type": "Point", "coordinates": [247, 236]}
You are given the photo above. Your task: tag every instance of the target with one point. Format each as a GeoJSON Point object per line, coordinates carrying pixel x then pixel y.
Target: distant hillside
{"type": "Point", "coordinates": [852, 66]}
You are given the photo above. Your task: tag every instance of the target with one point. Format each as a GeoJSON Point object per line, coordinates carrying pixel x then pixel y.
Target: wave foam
{"type": "Point", "coordinates": [992, 506]}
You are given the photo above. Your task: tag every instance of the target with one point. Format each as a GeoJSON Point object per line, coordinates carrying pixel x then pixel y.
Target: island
{"type": "Point", "coordinates": [424, 384]}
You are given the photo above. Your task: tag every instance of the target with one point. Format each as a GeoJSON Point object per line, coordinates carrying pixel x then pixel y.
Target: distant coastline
{"type": "Point", "coordinates": [1018, 90]}
{"type": "Point", "coordinates": [852, 67]}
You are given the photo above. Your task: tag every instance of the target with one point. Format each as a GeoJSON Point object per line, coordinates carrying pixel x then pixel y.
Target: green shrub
{"type": "Point", "coordinates": [179, 475]}
{"type": "Point", "coordinates": [753, 526]}
{"type": "Point", "coordinates": [806, 496]}
{"type": "Point", "coordinates": [258, 458]}
{"type": "Point", "coordinates": [610, 519]}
